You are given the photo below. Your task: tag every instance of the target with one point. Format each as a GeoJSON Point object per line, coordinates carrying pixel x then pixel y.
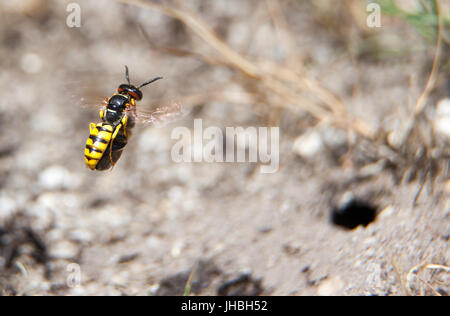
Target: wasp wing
{"type": "Point", "coordinates": [89, 88]}
{"type": "Point", "coordinates": [159, 115]}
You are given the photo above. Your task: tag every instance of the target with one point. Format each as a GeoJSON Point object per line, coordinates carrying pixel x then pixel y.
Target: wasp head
{"type": "Point", "coordinates": [132, 91]}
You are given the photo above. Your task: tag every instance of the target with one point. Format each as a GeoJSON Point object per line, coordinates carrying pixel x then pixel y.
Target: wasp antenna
{"type": "Point", "coordinates": [149, 82]}
{"type": "Point", "coordinates": [127, 75]}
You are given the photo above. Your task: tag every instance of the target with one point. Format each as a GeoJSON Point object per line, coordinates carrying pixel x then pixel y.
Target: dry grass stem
{"type": "Point", "coordinates": [422, 267]}
{"type": "Point", "coordinates": [421, 102]}
{"type": "Point", "coordinates": [284, 83]}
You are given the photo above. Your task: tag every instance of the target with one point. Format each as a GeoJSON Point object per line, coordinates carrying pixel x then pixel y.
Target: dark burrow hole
{"type": "Point", "coordinates": [354, 213]}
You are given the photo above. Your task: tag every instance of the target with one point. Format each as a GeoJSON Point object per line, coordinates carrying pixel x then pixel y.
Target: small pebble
{"type": "Point", "coordinates": [442, 119]}
{"type": "Point", "coordinates": [386, 212]}
{"type": "Point", "coordinates": [7, 207]}
{"type": "Point", "coordinates": [57, 178]}
{"type": "Point", "coordinates": [308, 145]}
{"type": "Point", "coordinates": [64, 250]}
{"type": "Point", "coordinates": [31, 63]}
{"type": "Point", "coordinates": [332, 286]}
{"type": "Point", "coordinates": [81, 235]}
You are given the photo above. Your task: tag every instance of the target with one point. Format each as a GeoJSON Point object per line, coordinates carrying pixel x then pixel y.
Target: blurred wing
{"type": "Point", "coordinates": [160, 115]}
{"type": "Point", "coordinates": [92, 102]}
{"type": "Point", "coordinates": [88, 89]}
{"type": "Point", "coordinates": [86, 98]}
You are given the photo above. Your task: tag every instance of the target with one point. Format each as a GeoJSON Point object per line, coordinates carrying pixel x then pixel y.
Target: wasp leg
{"type": "Point", "coordinates": [116, 132]}
{"type": "Point", "coordinates": [110, 158]}
{"type": "Point", "coordinates": [124, 124]}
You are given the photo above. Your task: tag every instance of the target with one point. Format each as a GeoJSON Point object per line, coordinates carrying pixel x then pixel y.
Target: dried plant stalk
{"type": "Point", "coordinates": [278, 79]}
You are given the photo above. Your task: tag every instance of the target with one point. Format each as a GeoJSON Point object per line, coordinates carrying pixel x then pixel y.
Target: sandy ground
{"type": "Point", "coordinates": [142, 228]}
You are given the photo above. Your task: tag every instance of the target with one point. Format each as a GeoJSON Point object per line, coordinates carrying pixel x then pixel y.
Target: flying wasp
{"type": "Point", "coordinates": [118, 115]}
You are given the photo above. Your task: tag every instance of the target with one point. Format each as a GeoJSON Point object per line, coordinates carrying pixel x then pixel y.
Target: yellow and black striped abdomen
{"type": "Point", "coordinates": [97, 143]}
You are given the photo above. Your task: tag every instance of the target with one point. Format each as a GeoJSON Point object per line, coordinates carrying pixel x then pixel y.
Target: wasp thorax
{"type": "Point", "coordinates": [116, 105]}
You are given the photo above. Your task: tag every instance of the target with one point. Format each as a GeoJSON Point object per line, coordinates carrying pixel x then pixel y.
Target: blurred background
{"type": "Point", "coordinates": [359, 205]}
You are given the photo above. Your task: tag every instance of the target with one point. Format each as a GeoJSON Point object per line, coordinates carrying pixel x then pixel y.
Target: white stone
{"type": "Point", "coordinates": [64, 250]}
{"type": "Point", "coordinates": [43, 210]}
{"type": "Point", "coordinates": [442, 119]}
{"type": "Point", "coordinates": [388, 211]}
{"type": "Point", "coordinates": [332, 286]}
{"type": "Point", "coordinates": [31, 63]}
{"type": "Point", "coordinates": [308, 145]}
{"type": "Point", "coordinates": [57, 177]}
{"type": "Point", "coordinates": [81, 235]}
{"type": "Point", "coordinates": [7, 207]}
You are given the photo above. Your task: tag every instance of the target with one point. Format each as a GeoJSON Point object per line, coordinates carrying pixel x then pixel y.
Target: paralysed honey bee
{"type": "Point", "coordinates": [118, 116]}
